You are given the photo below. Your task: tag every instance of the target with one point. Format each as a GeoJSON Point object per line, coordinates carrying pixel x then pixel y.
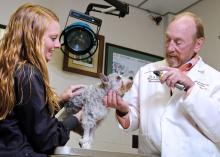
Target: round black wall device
{"type": "Point", "coordinates": [78, 41]}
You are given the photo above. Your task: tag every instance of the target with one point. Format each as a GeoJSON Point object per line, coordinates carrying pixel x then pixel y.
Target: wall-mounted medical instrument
{"type": "Point", "coordinates": [79, 40]}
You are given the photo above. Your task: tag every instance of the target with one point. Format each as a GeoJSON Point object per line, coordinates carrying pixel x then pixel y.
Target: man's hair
{"type": "Point", "coordinates": [199, 26]}
{"type": "Point", "coordinates": [23, 43]}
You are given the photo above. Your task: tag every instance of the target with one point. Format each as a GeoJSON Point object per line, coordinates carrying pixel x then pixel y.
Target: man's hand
{"type": "Point", "coordinates": [171, 76]}
{"type": "Point", "coordinates": [114, 100]}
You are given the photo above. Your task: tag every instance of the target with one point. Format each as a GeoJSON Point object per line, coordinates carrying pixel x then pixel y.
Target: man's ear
{"type": "Point", "coordinates": [199, 44]}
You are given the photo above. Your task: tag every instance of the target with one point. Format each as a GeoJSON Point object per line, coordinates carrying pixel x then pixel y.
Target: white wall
{"type": "Point", "coordinates": [209, 12]}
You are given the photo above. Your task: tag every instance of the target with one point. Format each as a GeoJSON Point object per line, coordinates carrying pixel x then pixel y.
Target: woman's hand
{"type": "Point", "coordinates": [69, 92]}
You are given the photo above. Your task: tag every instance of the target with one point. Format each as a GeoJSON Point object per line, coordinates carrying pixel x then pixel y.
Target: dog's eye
{"type": "Point", "coordinates": [130, 78]}
{"type": "Point", "coordinates": [118, 78]}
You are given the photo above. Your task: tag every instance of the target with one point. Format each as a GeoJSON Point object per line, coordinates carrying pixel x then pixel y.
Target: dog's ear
{"type": "Point", "coordinates": [103, 78]}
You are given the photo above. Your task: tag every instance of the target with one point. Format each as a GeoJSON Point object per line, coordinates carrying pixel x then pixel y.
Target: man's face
{"type": "Point", "coordinates": [181, 42]}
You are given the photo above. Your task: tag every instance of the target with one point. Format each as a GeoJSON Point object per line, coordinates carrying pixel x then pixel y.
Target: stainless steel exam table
{"type": "Point", "coordinates": [78, 152]}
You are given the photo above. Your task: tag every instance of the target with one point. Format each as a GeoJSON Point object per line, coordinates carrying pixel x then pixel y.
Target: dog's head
{"type": "Point", "coordinates": [116, 82]}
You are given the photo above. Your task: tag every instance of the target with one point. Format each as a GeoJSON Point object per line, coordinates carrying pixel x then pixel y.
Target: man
{"type": "Point", "coordinates": [174, 122]}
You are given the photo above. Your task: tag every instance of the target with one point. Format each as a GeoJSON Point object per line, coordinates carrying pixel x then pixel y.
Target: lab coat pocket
{"type": "Point", "coordinates": [190, 147]}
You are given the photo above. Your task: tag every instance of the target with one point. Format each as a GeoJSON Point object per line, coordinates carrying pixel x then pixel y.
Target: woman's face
{"type": "Point", "coordinates": [51, 39]}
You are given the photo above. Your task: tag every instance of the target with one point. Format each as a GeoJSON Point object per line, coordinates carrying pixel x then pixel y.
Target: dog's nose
{"type": "Point", "coordinates": [131, 78]}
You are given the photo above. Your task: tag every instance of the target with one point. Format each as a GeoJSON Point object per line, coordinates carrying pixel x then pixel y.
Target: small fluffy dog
{"type": "Point", "coordinates": [91, 100]}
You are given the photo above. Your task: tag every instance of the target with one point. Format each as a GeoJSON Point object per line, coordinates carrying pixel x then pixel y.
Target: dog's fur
{"type": "Point", "coordinates": [91, 100]}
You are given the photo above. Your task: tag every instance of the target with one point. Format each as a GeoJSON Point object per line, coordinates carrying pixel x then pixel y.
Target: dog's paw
{"type": "Point", "coordinates": [84, 144]}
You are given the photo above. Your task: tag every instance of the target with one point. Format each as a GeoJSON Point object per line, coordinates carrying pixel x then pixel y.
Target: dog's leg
{"type": "Point", "coordinates": [86, 140]}
{"type": "Point", "coordinates": [92, 132]}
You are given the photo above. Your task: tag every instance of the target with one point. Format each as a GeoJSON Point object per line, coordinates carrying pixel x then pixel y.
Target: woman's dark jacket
{"type": "Point", "coordinates": [30, 130]}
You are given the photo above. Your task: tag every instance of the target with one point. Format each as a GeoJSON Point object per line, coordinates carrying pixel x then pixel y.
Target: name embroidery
{"type": "Point", "coordinates": [153, 78]}
{"type": "Point", "coordinates": [202, 85]}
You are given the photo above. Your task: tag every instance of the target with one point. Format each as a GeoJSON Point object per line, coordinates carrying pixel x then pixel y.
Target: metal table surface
{"type": "Point", "coordinates": [70, 151]}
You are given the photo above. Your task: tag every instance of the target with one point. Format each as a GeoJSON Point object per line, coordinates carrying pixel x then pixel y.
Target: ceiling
{"type": "Point", "coordinates": [162, 7]}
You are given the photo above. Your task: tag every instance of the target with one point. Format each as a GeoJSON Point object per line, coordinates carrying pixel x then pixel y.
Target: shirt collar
{"type": "Point", "coordinates": [187, 66]}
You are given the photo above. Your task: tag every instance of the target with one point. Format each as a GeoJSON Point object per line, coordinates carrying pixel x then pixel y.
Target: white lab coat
{"type": "Point", "coordinates": [177, 125]}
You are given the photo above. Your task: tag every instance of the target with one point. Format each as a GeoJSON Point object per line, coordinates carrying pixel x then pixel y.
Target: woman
{"type": "Point", "coordinates": [28, 103]}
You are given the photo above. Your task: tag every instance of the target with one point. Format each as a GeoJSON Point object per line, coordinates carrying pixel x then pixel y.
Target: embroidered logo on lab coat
{"type": "Point", "coordinates": [202, 85]}
{"type": "Point", "coordinates": [153, 78]}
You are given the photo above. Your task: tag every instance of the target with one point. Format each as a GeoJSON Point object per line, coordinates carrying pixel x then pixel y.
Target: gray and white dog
{"type": "Point", "coordinates": [91, 100]}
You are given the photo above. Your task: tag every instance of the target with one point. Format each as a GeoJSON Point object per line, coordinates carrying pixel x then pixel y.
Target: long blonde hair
{"type": "Point", "coordinates": [23, 43]}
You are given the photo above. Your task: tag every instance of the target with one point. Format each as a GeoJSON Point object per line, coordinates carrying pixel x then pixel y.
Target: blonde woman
{"type": "Point", "coordinates": [28, 103]}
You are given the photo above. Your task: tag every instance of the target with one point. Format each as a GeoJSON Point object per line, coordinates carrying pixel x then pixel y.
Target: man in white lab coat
{"type": "Point", "coordinates": [174, 122]}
